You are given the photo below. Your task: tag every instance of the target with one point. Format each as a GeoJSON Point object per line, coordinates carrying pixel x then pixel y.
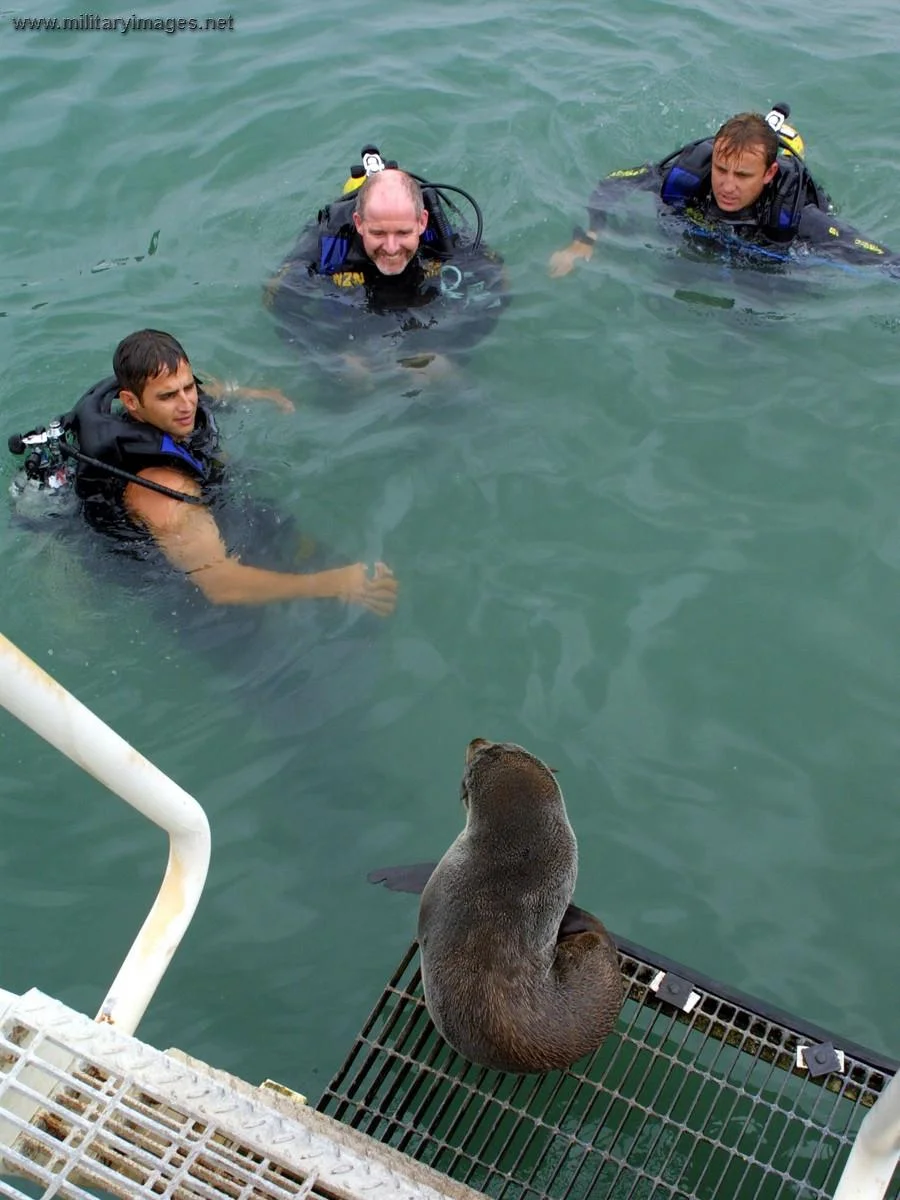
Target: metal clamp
{"type": "Point", "coordinates": [675, 990]}
{"type": "Point", "coordinates": [823, 1059]}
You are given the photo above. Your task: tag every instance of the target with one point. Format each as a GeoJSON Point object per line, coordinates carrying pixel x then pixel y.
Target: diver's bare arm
{"type": "Point", "coordinates": [605, 195]}
{"type": "Point", "coordinates": [220, 390]}
{"type": "Point", "coordinates": [190, 539]}
{"type": "Point", "coordinates": [562, 261]}
{"type": "Point", "coordinates": [581, 245]}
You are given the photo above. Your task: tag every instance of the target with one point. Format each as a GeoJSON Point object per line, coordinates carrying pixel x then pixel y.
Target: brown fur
{"type": "Point", "coordinates": [504, 984]}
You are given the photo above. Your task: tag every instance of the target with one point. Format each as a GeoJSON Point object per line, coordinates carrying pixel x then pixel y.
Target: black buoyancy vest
{"type": "Point", "coordinates": [118, 441]}
{"type": "Point", "coordinates": [687, 175]}
{"type": "Point", "coordinates": [338, 237]}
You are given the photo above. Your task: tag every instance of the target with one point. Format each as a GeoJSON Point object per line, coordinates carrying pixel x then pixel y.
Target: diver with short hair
{"type": "Point", "coordinates": [746, 190]}
{"type": "Point", "coordinates": [392, 245]}
{"type": "Point", "coordinates": [148, 473]}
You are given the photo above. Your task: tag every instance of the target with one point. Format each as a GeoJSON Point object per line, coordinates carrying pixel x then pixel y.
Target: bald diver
{"type": "Point", "coordinates": [393, 272]}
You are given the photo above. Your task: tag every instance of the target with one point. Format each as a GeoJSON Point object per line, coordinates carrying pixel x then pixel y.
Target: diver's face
{"type": "Point", "coordinates": [168, 401]}
{"type": "Point", "coordinates": [738, 178]}
{"type": "Point", "coordinates": [390, 229]}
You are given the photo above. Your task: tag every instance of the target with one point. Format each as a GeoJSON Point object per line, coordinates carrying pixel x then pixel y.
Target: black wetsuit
{"type": "Point", "coordinates": [791, 219]}
{"type": "Point", "coordinates": [445, 301]}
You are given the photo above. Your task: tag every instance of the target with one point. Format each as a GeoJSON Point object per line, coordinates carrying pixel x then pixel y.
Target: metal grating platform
{"type": "Point", "coordinates": [707, 1104]}
{"type": "Point", "coordinates": [86, 1111]}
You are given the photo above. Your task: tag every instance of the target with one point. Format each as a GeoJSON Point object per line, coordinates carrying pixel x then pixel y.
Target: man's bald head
{"type": "Point", "coordinates": [390, 187]}
{"type": "Point", "coordinates": [390, 218]}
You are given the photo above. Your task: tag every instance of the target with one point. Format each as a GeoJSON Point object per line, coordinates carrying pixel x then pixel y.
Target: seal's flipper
{"type": "Point", "coordinates": [403, 879]}
{"type": "Point", "coordinates": [577, 920]}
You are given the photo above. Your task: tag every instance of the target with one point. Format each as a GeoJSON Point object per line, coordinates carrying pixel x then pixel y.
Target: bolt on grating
{"type": "Point", "coordinates": [702, 1098]}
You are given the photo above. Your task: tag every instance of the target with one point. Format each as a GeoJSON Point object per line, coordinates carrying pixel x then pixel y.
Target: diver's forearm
{"type": "Point", "coordinates": [231, 582]}
{"type": "Point", "coordinates": [841, 242]}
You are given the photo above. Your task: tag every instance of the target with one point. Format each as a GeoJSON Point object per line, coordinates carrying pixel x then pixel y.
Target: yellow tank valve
{"type": "Point", "coordinates": [356, 180]}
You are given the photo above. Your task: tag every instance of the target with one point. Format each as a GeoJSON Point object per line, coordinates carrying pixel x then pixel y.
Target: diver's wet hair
{"type": "Point", "coordinates": [747, 131]}
{"type": "Point", "coordinates": [410, 186]}
{"type": "Point", "coordinates": [144, 355]}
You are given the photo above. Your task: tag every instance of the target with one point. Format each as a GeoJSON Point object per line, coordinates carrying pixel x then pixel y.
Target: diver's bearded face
{"type": "Point", "coordinates": [390, 232]}
{"type": "Point", "coordinates": [738, 177]}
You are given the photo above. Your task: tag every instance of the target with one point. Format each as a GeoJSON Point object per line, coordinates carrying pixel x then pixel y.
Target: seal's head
{"type": "Point", "coordinates": [501, 775]}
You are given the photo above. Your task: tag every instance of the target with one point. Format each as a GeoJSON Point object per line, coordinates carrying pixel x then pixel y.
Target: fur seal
{"type": "Point", "coordinates": [516, 977]}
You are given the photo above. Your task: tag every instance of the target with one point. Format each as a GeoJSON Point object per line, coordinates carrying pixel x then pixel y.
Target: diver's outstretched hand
{"type": "Point", "coordinates": [377, 592]}
{"type": "Point", "coordinates": [562, 261]}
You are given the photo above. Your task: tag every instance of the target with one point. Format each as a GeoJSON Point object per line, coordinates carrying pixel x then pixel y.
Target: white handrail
{"type": "Point", "coordinates": [30, 694]}
{"type": "Point", "coordinates": [876, 1150]}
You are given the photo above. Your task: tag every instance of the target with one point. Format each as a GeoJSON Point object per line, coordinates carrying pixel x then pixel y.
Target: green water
{"type": "Point", "coordinates": [651, 531]}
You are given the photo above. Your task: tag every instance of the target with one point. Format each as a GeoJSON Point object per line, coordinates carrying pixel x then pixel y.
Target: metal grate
{"type": "Point", "coordinates": [708, 1103]}
{"type": "Point", "coordinates": [85, 1110]}
{"type": "Point", "coordinates": [100, 1131]}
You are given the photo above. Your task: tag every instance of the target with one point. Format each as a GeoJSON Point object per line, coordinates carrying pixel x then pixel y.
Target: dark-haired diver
{"type": "Point", "coordinates": [744, 194]}
{"type": "Point", "coordinates": [389, 273]}
{"type": "Point", "coordinates": [149, 475]}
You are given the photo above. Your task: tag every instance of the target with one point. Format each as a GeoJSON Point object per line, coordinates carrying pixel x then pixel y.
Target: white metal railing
{"type": "Point", "coordinates": [876, 1151]}
{"type": "Point", "coordinates": [30, 694]}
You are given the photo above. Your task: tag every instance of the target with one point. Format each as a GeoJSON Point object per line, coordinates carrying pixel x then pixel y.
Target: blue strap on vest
{"type": "Point", "coordinates": [680, 186]}
{"type": "Point", "coordinates": [333, 250]}
{"type": "Point", "coordinates": [689, 172]}
{"type": "Point", "coordinates": [785, 217]}
{"type": "Point", "coordinates": [168, 445]}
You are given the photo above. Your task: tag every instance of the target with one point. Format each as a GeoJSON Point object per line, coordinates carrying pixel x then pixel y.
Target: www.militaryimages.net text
{"type": "Point", "coordinates": [95, 23]}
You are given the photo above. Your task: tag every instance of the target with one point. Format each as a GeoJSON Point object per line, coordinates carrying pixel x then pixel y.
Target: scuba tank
{"type": "Point", "coordinates": [789, 140]}
{"type": "Point", "coordinates": [372, 162]}
{"type": "Point", "coordinates": [791, 147]}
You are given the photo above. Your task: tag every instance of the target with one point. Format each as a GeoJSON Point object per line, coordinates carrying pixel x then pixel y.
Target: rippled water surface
{"type": "Point", "coordinates": [650, 529]}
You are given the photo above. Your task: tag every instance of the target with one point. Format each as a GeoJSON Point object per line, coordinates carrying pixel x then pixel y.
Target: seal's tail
{"type": "Point", "coordinates": [411, 878]}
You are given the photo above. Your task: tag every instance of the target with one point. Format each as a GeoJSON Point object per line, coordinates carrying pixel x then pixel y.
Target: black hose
{"type": "Point", "coordinates": [440, 188]}
{"type": "Point", "coordinates": [68, 451]}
